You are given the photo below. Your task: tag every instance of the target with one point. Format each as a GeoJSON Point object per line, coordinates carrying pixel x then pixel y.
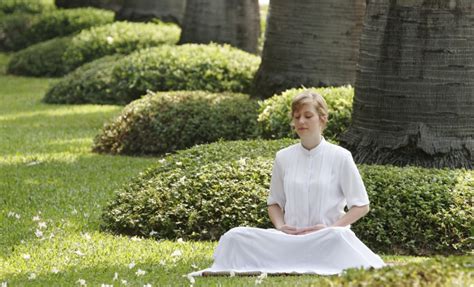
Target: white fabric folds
{"type": "Point", "coordinates": [326, 252]}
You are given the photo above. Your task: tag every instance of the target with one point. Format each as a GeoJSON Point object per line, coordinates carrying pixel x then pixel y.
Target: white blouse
{"type": "Point", "coordinates": [313, 186]}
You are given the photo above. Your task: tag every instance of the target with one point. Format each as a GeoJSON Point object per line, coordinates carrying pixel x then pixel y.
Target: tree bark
{"type": "Point", "coordinates": [145, 10]}
{"type": "Point", "coordinates": [235, 22]}
{"type": "Point", "coordinates": [104, 4]}
{"type": "Point", "coordinates": [310, 43]}
{"type": "Point", "coordinates": [414, 93]}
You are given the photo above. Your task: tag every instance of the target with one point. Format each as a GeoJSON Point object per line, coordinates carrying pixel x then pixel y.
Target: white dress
{"type": "Point", "coordinates": [312, 187]}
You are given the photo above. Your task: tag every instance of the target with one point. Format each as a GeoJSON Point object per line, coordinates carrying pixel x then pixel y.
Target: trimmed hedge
{"type": "Point", "coordinates": [26, 6]}
{"type": "Point", "coordinates": [274, 114]}
{"type": "Point", "coordinates": [93, 79]}
{"type": "Point", "coordinates": [18, 31]}
{"type": "Point", "coordinates": [169, 121]}
{"type": "Point", "coordinates": [213, 68]}
{"type": "Point", "coordinates": [414, 210]}
{"type": "Point", "coordinates": [90, 44]}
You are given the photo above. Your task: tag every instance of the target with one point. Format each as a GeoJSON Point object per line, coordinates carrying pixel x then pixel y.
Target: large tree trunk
{"type": "Point", "coordinates": [310, 43]}
{"type": "Point", "coordinates": [235, 22]}
{"type": "Point", "coordinates": [104, 4]}
{"type": "Point", "coordinates": [145, 10]}
{"type": "Point", "coordinates": [414, 93]}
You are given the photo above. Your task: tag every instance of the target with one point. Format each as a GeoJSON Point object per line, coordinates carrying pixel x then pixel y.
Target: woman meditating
{"type": "Point", "coordinates": [312, 181]}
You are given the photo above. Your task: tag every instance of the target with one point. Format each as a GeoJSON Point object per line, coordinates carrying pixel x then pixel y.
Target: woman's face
{"type": "Point", "coordinates": [307, 122]}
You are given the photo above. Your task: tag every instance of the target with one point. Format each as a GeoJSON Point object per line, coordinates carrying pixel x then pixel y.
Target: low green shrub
{"type": "Point", "coordinates": [20, 30]}
{"type": "Point", "coordinates": [414, 210]}
{"type": "Point", "coordinates": [44, 59]}
{"type": "Point", "coordinates": [212, 68]}
{"type": "Point", "coordinates": [274, 113]}
{"type": "Point", "coordinates": [26, 6]}
{"type": "Point", "coordinates": [169, 121]}
{"type": "Point", "coordinates": [88, 45]}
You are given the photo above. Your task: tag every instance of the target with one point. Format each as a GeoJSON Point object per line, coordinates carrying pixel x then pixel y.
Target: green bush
{"type": "Point", "coordinates": [41, 59]}
{"type": "Point", "coordinates": [274, 113]}
{"type": "Point", "coordinates": [414, 210]}
{"type": "Point", "coordinates": [213, 68]}
{"type": "Point", "coordinates": [20, 30]}
{"type": "Point", "coordinates": [26, 6]}
{"type": "Point", "coordinates": [169, 121]}
{"type": "Point", "coordinates": [93, 79]}
{"type": "Point", "coordinates": [90, 44]}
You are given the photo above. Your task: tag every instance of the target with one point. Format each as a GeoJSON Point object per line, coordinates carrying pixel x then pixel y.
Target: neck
{"type": "Point", "coordinates": [311, 142]}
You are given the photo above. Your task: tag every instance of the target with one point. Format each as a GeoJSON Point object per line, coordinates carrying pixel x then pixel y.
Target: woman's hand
{"type": "Point", "coordinates": [288, 229]}
{"type": "Point", "coordinates": [311, 229]}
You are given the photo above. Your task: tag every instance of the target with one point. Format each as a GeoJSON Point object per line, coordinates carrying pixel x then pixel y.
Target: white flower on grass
{"type": "Point", "coordinates": [55, 270]}
{"type": "Point", "coordinates": [124, 282]}
{"type": "Point", "coordinates": [4, 284]}
{"type": "Point", "coordinates": [147, 285]}
{"type": "Point", "coordinates": [42, 225]}
{"type": "Point", "coordinates": [81, 282]}
{"type": "Point", "coordinates": [232, 274]}
{"type": "Point", "coordinates": [106, 285]}
{"type": "Point", "coordinates": [135, 238]}
{"type": "Point", "coordinates": [36, 218]}
{"type": "Point", "coordinates": [177, 253]}
{"type": "Point", "coordinates": [74, 211]}
{"type": "Point", "coordinates": [86, 236]}
{"type": "Point", "coordinates": [162, 262]}
{"type": "Point", "coordinates": [26, 256]}
{"type": "Point", "coordinates": [153, 232]}
{"type": "Point", "coordinates": [180, 240]}
{"type": "Point", "coordinates": [260, 278]}
{"type": "Point", "coordinates": [39, 233]}
{"type": "Point", "coordinates": [86, 215]}
{"type": "Point", "coordinates": [32, 276]}
{"type": "Point", "coordinates": [79, 253]}
{"type": "Point", "coordinates": [51, 235]}
{"type": "Point", "coordinates": [131, 265]}
{"type": "Point", "coordinates": [194, 266]}
{"type": "Point", "coordinates": [109, 40]}
{"type": "Point", "coordinates": [115, 276]}
{"type": "Point", "coordinates": [140, 272]}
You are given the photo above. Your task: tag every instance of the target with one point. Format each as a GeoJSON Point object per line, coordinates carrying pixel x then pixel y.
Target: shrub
{"type": "Point", "coordinates": [414, 210]}
{"type": "Point", "coordinates": [274, 113]}
{"type": "Point", "coordinates": [41, 59]}
{"type": "Point", "coordinates": [169, 121]}
{"type": "Point", "coordinates": [26, 6]}
{"type": "Point", "coordinates": [90, 44]}
{"type": "Point", "coordinates": [18, 31]}
{"type": "Point", "coordinates": [92, 82]}
{"type": "Point", "coordinates": [213, 68]}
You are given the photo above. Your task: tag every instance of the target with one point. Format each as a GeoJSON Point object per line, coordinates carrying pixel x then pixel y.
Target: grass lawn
{"type": "Point", "coordinates": [52, 191]}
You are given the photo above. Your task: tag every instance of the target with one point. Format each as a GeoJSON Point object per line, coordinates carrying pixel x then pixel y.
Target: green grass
{"type": "Point", "coordinates": [48, 176]}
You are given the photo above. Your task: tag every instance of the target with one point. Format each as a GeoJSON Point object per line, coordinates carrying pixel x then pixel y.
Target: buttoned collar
{"type": "Point", "coordinates": [315, 150]}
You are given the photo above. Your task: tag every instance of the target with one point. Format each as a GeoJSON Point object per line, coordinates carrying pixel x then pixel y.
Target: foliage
{"type": "Point", "coordinates": [203, 199]}
{"type": "Point", "coordinates": [70, 53]}
{"type": "Point", "coordinates": [274, 113]}
{"type": "Point", "coordinates": [212, 67]}
{"type": "Point", "coordinates": [26, 6]}
{"type": "Point", "coordinates": [169, 121]}
{"type": "Point", "coordinates": [20, 30]}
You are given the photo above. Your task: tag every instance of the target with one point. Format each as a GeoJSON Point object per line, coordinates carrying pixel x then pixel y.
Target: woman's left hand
{"type": "Point", "coordinates": [311, 229]}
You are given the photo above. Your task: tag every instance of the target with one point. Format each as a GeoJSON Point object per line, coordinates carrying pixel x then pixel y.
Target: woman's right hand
{"type": "Point", "coordinates": [288, 229]}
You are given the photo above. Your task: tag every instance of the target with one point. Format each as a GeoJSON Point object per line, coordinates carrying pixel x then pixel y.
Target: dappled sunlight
{"type": "Point", "coordinates": [59, 111]}
{"type": "Point", "coordinates": [39, 158]}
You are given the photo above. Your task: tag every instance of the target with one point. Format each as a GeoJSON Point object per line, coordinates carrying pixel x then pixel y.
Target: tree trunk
{"type": "Point", "coordinates": [414, 93]}
{"type": "Point", "coordinates": [145, 10]}
{"type": "Point", "coordinates": [310, 43]}
{"type": "Point", "coordinates": [235, 22]}
{"type": "Point", "coordinates": [104, 4]}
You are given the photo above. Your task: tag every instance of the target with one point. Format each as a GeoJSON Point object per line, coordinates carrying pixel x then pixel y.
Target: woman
{"type": "Point", "coordinates": [311, 183]}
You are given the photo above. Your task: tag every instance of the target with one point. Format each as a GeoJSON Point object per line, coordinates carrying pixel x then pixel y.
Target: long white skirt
{"type": "Point", "coordinates": [326, 252]}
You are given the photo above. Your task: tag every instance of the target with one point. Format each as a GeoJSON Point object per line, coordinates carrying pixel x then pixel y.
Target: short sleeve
{"type": "Point", "coordinates": [352, 184]}
{"type": "Point", "coordinates": [277, 194]}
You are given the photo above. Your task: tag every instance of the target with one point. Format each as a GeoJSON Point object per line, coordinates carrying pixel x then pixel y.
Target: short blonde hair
{"type": "Point", "coordinates": [318, 102]}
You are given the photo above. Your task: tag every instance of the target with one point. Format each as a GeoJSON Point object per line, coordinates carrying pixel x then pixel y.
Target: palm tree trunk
{"type": "Point", "coordinates": [310, 43]}
{"type": "Point", "coordinates": [235, 22]}
{"type": "Point", "coordinates": [145, 10]}
{"type": "Point", "coordinates": [414, 93]}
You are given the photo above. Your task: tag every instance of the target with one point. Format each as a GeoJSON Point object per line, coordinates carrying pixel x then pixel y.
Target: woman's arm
{"type": "Point", "coordinates": [354, 214]}
{"type": "Point", "coordinates": [276, 216]}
